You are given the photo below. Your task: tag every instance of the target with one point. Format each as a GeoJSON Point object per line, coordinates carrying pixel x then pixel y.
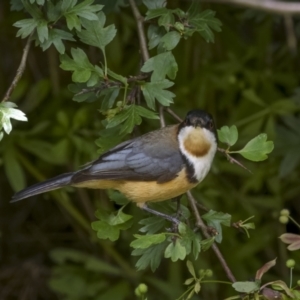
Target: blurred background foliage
{"type": "Point", "coordinates": [249, 77]}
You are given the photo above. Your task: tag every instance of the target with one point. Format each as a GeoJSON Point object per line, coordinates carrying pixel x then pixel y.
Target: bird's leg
{"type": "Point", "coordinates": [162, 215]}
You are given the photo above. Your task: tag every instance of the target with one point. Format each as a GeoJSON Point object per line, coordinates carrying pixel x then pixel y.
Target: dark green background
{"type": "Point", "coordinates": [249, 77]}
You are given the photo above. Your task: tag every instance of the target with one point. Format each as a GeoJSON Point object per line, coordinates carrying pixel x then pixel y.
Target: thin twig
{"type": "Point", "coordinates": [173, 114]}
{"type": "Point", "coordinates": [271, 6]}
{"type": "Point", "coordinates": [201, 225]}
{"type": "Point", "coordinates": [20, 70]}
{"type": "Point", "coordinates": [140, 26]}
{"type": "Point", "coordinates": [162, 117]}
{"type": "Point", "coordinates": [233, 160]}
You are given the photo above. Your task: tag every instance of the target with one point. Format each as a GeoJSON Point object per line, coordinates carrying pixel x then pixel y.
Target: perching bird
{"type": "Point", "coordinates": [156, 166]}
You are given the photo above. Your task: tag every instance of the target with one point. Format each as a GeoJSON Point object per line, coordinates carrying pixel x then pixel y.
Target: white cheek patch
{"type": "Point", "coordinates": [201, 164]}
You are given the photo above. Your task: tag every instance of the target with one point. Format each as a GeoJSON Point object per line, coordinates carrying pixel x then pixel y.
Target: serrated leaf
{"type": "Point", "coordinates": [154, 13]}
{"type": "Point", "coordinates": [26, 27]}
{"type": "Point", "coordinates": [150, 256]}
{"type": "Point", "coordinates": [130, 116]}
{"type": "Point", "coordinates": [95, 34]}
{"type": "Point", "coordinates": [228, 135]}
{"type": "Point", "coordinates": [155, 33]}
{"type": "Point", "coordinates": [246, 286]}
{"type": "Point", "coordinates": [162, 64]}
{"type": "Point", "coordinates": [105, 230]}
{"type": "Point", "coordinates": [42, 30]}
{"type": "Point", "coordinates": [56, 36]}
{"type": "Point", "coordinates": [156, 90]}
{"type": "Point", "coordinates": [206, 244]}
{"type": "Point", "coordinates": [204, 23]}
{"type": "Point", "coordinates": [145, 241]}
{"type": "Point", "coordinates": [175, 251]}
{"type": "Point", "coordinates": [152, 224]}
{"type": "Point", "coordinates": [257, 149]}
{"type": "Point", "coordinates": [215, 219]}
{"type": "Point", "coordinates": [80, 65]}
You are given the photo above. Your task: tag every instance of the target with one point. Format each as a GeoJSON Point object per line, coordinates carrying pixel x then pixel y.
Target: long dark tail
{"type": "Point", "coordinates": [45, 186]}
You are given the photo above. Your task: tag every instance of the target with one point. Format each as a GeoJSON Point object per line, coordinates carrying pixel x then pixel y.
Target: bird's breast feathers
{"type": "Point", "coordinates": [198, 145]}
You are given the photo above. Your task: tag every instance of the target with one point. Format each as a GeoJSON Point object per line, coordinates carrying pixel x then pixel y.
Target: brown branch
{"type": "Point", "coordinates": [271, 6]}
{"type": "Point", "coordinates": [20, 70]}
{"type": "Point", "coordinates": [201, 225]}
{"type": "Point", "coordinates": [173, 114]}
{"type": "Point", "coordinates": [140, 26]}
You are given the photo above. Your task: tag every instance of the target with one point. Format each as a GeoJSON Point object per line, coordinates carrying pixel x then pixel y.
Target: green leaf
{"type": "Point", "coordinates": [95, 34]}
{"type": "Point", "coordinates": [117, 77]}
{"type": "Point", "coordinates": [130, 116]}
{"type": "Point", "coordinates": [175, 251]}
{"type": "Point", "coordinates": [162, 64]}
{"type": "Point", "coordinates": [150, 256]}
{"type": "Point", "coordinates": [156, 90]}
{"type": "Point", "coordinates": [152, 224]}
{"type": "Point", "coordinates": [166, 20]}
{"type": "Point", "coordinates": [110, 225]}
{"type": "Point", "coordinates": [153, 4]}
{"type": "Point", "coordinates": [204, 23]}
{"type": "Point", "coordinates": [32, 9]}
{"type": "Point", "coordinates": [206, 244]}
{"type": "Point", "coordinates": [117, 197]}
{"type": "Point", "coordinates": [228, 135]}
{"type": "Point", "coordinates": [26, 27]}
{"type": "Point", "coordinates": [170, 40]}
{"type": "Point", "coordinates": [154, 34]}
{"type": "Point", "coordinates": [191, 268]}
{"type": "Point", "coordinates": [42, 30]}
{"type": "Point", "coordinates": [246, 286]}
{"type": "Point", "coordinates": [106, 231]}
{"type": "Point", "coordinates": [55, 37]}
{"type": "Point", "coordinates": [109, 96]}
{"type": "Point", "coordinates": [73, 22]}
{"type": "Point", "coordinates": [154, 13]}
{"type": "Point", "coordinates": [257, 149]}
{"type": "Point", "coordinates": [145, 241]}
{"type": "Point", "coordinates": [80, 65]}
{"type": "Point", "coordinates": [215, 219]}
{"type": "Point", "coordinates": [109, 138]}
{"type": "Point", "coordinates": [84, 10]}
{"type": "Point", "coordinates": [13, 170]}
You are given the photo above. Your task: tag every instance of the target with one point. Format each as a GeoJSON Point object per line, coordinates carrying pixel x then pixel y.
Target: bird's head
{"type": "Point", "coordinates": [197, 140]}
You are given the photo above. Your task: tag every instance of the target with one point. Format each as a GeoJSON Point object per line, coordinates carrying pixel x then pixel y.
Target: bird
{"type": "Point", "coordinates": [157, 166]}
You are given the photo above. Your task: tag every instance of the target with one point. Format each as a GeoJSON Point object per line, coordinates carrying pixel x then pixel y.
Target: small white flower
{"type": "Point", "coordinates": [7, 112]}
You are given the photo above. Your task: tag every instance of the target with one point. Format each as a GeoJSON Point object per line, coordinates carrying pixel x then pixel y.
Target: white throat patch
{"type": "Point", "coordinates": [202, 163]}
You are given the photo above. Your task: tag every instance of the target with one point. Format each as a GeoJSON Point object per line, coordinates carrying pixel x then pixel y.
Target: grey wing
{"type": "Point", "coordinates": [143, 158]}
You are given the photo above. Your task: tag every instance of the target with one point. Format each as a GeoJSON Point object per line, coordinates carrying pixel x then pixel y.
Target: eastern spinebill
{"type": "Point", "coordinates": [156, 166]}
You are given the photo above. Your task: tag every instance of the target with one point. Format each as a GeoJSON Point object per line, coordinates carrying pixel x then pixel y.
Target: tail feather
{"type": "Point", "coordinates": [45, 186]}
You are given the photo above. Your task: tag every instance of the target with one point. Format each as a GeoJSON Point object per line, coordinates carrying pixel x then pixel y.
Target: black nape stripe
{"type": "Point", "coordinates": [190, 170]}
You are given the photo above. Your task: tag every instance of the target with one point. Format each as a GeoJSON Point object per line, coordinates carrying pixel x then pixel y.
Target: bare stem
{"type": "Point", "coordinates": [201, 225]}
{"type": "Point", "coordinates": [271, 6]}
{"type": "Point", "coordinates": [140, 26]}
{"type": "Point", "coordinates": [233, 160]}
{"type": "Point", "coordinates": [161, 116]}
{"type": "Point", "coordinates": [20, 70]}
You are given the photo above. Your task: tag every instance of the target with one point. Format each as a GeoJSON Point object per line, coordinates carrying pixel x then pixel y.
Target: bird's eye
{"type": "Point", "coordinates": [211, 124]}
